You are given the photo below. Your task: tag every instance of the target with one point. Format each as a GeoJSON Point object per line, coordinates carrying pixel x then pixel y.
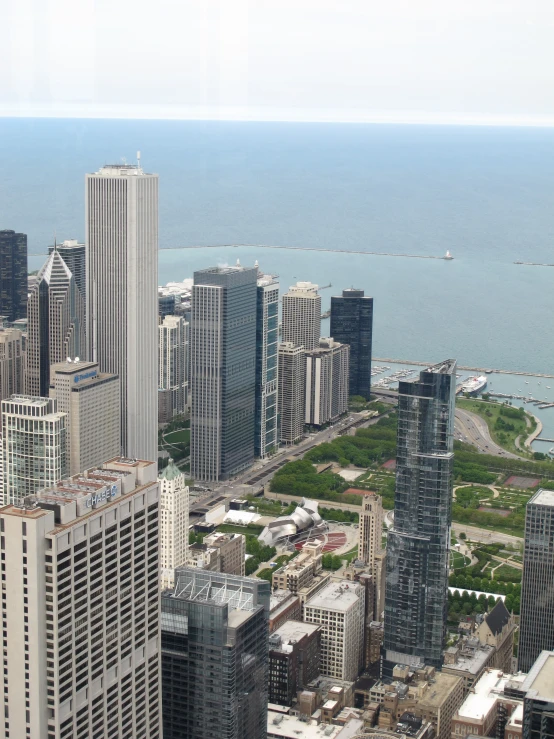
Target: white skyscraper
{"type": "Point", "coordinates": [122, 295]}
{"type": "Point", "coordinates": [174, 522]}
{"type": "Point", "coordinates": [173, 341]}
{"type": "Point", "coordinates": [302, 315]}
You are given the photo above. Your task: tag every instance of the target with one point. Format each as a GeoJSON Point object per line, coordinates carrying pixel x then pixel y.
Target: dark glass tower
{"type": "Point", "coordinates": [416, 593]}
{"type": "Point", "coordinates": [352, 324]}
{"type": "Point", "coordinates": [13, 275]}
{"type": "Point", "coordinates": [537, 593]}
{"type": "Point", "coordinates": [223, 371]}
{"type": "Point", "coordinates": [215, 644]}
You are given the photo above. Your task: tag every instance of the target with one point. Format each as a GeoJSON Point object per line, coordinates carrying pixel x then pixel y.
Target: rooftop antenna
{"type": "Point", "coordinates": [55, 242]}
{"type": "Point", "coordinates": [138, 159]}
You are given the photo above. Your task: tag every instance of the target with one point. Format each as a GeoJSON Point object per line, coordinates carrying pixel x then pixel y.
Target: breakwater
{"type": "Point", "coordinates": [487, 370]}
{"type": "Point", "coordinates": [308, 248]}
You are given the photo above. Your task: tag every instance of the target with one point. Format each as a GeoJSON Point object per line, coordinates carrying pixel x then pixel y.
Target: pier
{"type": "Point", "coordinates": [482, 370]}
{"type": "Point", "coordinates": [534, 264]}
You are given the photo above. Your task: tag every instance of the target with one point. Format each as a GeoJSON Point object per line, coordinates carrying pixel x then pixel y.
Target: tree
{"type": "Point", "coordinates": [463, 536]}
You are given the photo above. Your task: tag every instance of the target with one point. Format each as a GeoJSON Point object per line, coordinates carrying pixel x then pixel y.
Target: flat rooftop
{"type": "Point", "coordinates": [486, 691]}
{"type": "Point", "coordinates": [295, 630]}
{"type": "Point", "coordinates": [471, 661]}
{"type": "Point", "coordinates": [289, 727]}
{"type": "Point", "coordinates": [543, 497]}
{"type": "Point", "coordinates": [337, 596]}
{"type": "Point", "coordinates": [439, 689]}
{"type": "Point", "coordinates": [540, 679]}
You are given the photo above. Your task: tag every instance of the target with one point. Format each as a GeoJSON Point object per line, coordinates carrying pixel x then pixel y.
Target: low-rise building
{"type": "Point", "coordinates": [300, 572]}
{"type": "Point", "coordinates": [497, 630]}
{"type": "Point", "coordinates": [232, 551]}
{"type": "Point", "coordinates": [284, 726]}
{"type": "Point", "coordinates": [468, 659]}
{"type": "Point", "coordinates": [538, 712]}
{"type": "Point", "coordinates": [283, 606]}
{"type": "Point", "coordinates": [294, 654]}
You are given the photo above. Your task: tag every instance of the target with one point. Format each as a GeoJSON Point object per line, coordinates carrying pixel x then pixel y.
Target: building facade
{"type": "Point", "coordinates": [223, 371]}
{"type": "Point", "coordinates": [294, 654]}
{"type": "Point", "coordinates": [326, 397]}
{"type": "Point", "coordinates": [231, 551]}
{"type": "Point", "coordinates": [173, 344]}
{"type": "Point", "coordinates": [352, 324]}
{"type": "Point", "coordinates": [339, 609]}
{"type": "Point", "coordinates": [301, 318]}
{"type": "Point", "coordinates": [56, 324]}
{"type": "Point", "coordinates": [267, 342]}
{"type": "Point", "coordinates": [11, 362]}
{"type": "Point", "coordinates": [74, 255]}
{"type": "Point", "coordinates": [371, 529]}
{"type": "Point", "coordinates": [215, 656]}
{"type": "Point", "coordinates": [418, 546]}
{"type": "Point", "coordinates": [537, 587]}
{"type": "Point", "coordinates": [121, 210]}
{"type": "Point", "coordinates": [33, 446]}
{"type": "Point", "coordinates": [90, 400]}
{"type": "Point", "coordinates": [291, 392]}
{"type": "Point", "coordinates": [538, 706]}
{"type": "Point", "coordinates": [81, 608]}
{"type": "Point", "coordinates": [13, 275]}
{"type": "Point", "coordinates": [174, 522]}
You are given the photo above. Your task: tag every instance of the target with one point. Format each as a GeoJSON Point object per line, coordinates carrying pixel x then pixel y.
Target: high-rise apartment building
{"type": "Point", "coordinates": [223, 371]}
{"type": "Point", "coordinates": [339, 608]}
{"type": "Point", "coordinates": [80, 607]}
{"type": "Point", "coordinates": [326, 396]}
{"type": "Point", "coordinates": [215, 656]}
{"type": "Point", "coordinates": [11, 362]}
{"type": "Point", "coordinates": [419, 544]}
{"type": "Point", "coordinates": [301, 319]}
{"type": "Point", "coordinates": [371, 530]}
{"type": "Point", "coordinates": [13, 275]}
{"type": "Point", "coordinates": [267, 342]}
{"type": "Point", "coordinates": [291, 392]}
{"type": "Point", "coordinates": [122, 295]}
{"type": "Point", "coordinates": [173, 344]}
{"type": "Point", "coordinates": [537, 591]}
{"type": "Point", "coordinates": [174, 522]}
{"type": "Point", "coordinates": [56, 324]}
{"type": "Point", "coordinates": [90, 400]}
{"type": "Point", "coordinates": [352, 324]}
{"type": "Point", "coordinates": [74, 255]}
{"type": "Point", "coordinates": [33, 445]}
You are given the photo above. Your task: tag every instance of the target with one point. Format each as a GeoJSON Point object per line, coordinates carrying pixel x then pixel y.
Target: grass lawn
{"type": "Point", "coordinates": [507, 573]}
{"type": "Point", "coordinates": [182, 436]}
{"type": "Point", "coordinates": [490, 412]}
{"type": "Point", "coordinates": [350, 555]}
{"type": "Point", "coordinates": [458, 560]}
{"type": "Point", "coordinates": [229, 528]}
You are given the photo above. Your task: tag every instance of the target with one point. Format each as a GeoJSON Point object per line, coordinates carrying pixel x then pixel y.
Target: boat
{"type": "Point", "coordinates": [474, 385]}
{"type": "Point", "coordinates": [526, 382]}
{"type": "Point", "coordinates": [448, 256]}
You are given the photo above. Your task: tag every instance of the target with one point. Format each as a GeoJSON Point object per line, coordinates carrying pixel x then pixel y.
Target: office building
{"type": "Point", "coordinates": [231, 551]}
{"type": "Point", "coordinates": [90, 400]}
{"type": "Point", "coordinates": [56, 324]}
{"type": "Point", "coordinates": [538, 705]}
{"type": "Point", "coordinates": [74, 255]}
{"type": "Point", "coordinates": [215, 656]}
{"type": "Point", "coordinates": [174, 522]}
{"type": "Point", "coordinates": [173, 344]}
{"type": "Point", "coordinates": [419, 544]}
{"type": "Point", "coordinates": [294, 652]}
{"type": "Point", "coordinates": [121, 210]}
{"type": "Point", "coordinates": [33, 446]}
{"type": "Point", "coordinates": [300, 571]}
{"type": "Point", "coordinates": [371, 529]}
{"type": "Point", "coordinates": [301, 318]}
{"type": "Point", "coordinates": [283, 607]}
{"type": "Point", "coordinates": [267, 342]}
{"type": "Point", "coordinates": [166, 305]}
{"type": "Point", "coordinates": [11, 362]}
{"type": "Point", "coordinates": [81, 607]}
{"type": "Point", "coordinates": [537, 588]}
{"type": "Point", "coordinates": [326, 383]}
{"type": "Point", "coordinates": [223, 371]}
{"type": "Point", "coordinates": [352, 324]}
{"type": "Point", "coordinates": [13, 275]}
{"type": "Point", "coordinates": [291, 392]}
{"type": "Point", "coordinates": [339, 608]}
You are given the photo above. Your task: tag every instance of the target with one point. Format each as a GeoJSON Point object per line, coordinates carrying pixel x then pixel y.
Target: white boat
{"type": "Point", "coordinates": [448, 256]}
{"type": "Point", "coordinates": [474, 385]}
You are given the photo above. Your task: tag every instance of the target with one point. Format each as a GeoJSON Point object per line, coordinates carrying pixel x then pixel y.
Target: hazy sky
{"type": "Point", "coordinates": [473, 60]}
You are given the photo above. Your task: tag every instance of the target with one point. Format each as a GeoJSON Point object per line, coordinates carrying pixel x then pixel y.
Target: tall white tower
{"type": "Point", "coordinates": [174, 522]}
{"type": "Point", "coordinates": [122, 295]}
{"type": "Point", "coordinates": [302, 315]}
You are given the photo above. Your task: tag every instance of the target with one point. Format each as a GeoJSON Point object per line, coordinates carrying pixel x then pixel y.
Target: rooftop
{"type": "Point", "coordinates": [543, 497]}
{"type": "Point", "coordinates": [497, 618]}
{"type": "Point", "coordinates": [540, 679]}
{"type": "Point", "coordinates": [337, 596]}
{"type": "Point", "coordinates": [443, 368]}
{"type": "Point", "coordinates": [486, 692]}
{"type": "Point", "coordinates": [295, 630]}
{"type": "Point", "coordinates": [439, 689]}
{"type": "Point", "coordinates": [282, 725]}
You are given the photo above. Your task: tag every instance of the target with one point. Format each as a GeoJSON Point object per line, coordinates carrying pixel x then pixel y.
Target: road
{"type": "Point", "coordinates": [473, 429]}
{"type": "Point", "coordinates": [485, 535]}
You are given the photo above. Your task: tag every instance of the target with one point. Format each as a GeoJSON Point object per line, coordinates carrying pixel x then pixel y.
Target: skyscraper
{"type": "Point", "coordinates": [33, 445]}
{"type": "Point", "coordinates": [173, 344]}
{"type": "Point", "coordinates": [371, 529]}
{"type": "Point", "coordinates": [352, 324]}
{"type": "Point", "coordinates": [267, 341]}
{"type": "Point", "coordinates": [74, 255]}
{"type": "Point", "coordinates": [174, 522]}
{"type": "Point", "coordinates": [301, 320]}
{"type": "Point", "coordinates": [419, 544]}
{"type": "Point", "coordinates": [91, 401]}
{"type": "Point", "coordinates": [291, 392]}
{"type": "Point", "coordinates": [122, 295]}
{"type": "Point", "coordinates": [537, 591]}
{"type": "Point", "coordinates": [80, 608]}
{"type": "Point", "coordinates": [13, 275]}
{"type": "Point", "coordinates": [56, 324]}
{"type": "Point", "coordinates": [215, 656]}
{"type": "Point", "coordinates": [11, 362]}
{"type": "Point", "coordinates": [223, 371]}
{"type": "Point", "coordinates": [326, 382]}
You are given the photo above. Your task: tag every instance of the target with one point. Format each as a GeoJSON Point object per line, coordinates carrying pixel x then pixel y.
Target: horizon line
{"type": "Point", "coordinates": [269, 115]}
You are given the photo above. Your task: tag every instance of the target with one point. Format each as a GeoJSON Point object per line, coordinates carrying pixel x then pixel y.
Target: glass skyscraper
{"type": "Point", "coordinates": [267, 342]}
{"type": "Point", "coordinates": [416, 593]}
{"type": "Point", "coordinates": [215, 651]}
{"type": "Point", "coordinates": [537, 592]}
{"type": "Point", "coordinates": [223, 371]}
{"type": "Point", "coordinates": [13, 275]}
{"type": "Point", "coordinates": [352, 324]}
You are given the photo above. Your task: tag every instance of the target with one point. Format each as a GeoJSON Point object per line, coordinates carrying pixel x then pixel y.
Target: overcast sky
{"type": "Point", "coordinates": [406, 60]}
